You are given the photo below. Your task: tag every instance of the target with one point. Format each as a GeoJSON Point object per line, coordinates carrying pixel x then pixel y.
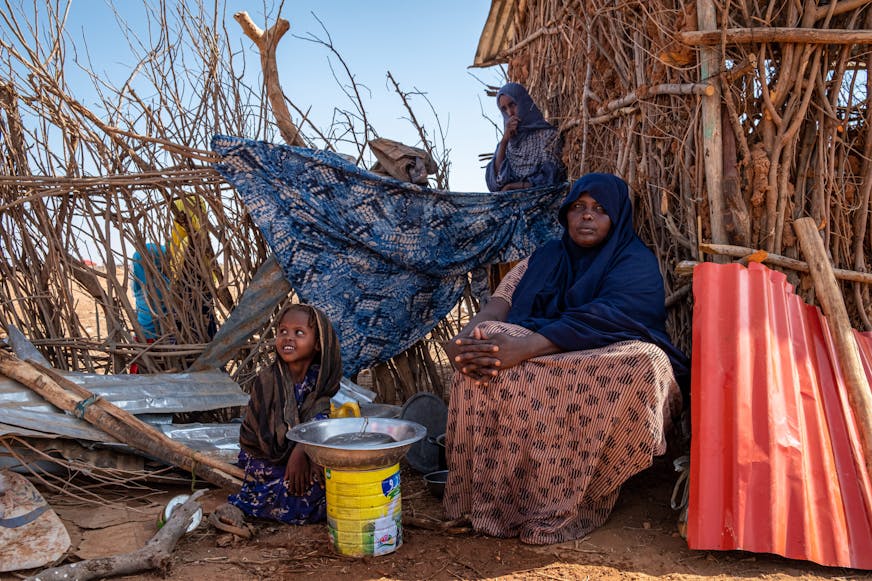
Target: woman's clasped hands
{"type": "Point", "coordinates": [481, 356]}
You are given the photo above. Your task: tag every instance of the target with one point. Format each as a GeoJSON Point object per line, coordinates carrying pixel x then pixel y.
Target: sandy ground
{"type": "Point", "coordinates": [640, 541]}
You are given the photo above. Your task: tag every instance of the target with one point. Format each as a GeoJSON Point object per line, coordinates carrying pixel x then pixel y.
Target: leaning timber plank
{"type": "Point", "coordinates": [130, 419]}
{"type": "Point", "coordinates": [268, 287]}
{"type": "Point", "coordinates": [154, 555]}
{"type": "Point", "coordinates": [709, 67]}
{"type": "Point", "coordinates": [117, 423]}
{"type": "Point", "coordinates": [780, 35]}
{"type": "Point", "coordinates": [782, 261]}
{"type": "Point", "coordinates": [830, 297]}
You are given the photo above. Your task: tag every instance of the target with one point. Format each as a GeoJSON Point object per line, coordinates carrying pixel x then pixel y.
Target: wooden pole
{"type": "Point", "coordinates": [154, 555]}
{"type": "Point", "coordinates": [830, 298]}
{"type": "Point", "coordinates": [116, 422]}
{"type": "Point", "coordinates": [778, 35]}
{"type": "Point", "coordinates": [709, 60]}
{"type": "Point", "coordinates": [773, 259]}
{"type": "Point", "coordinates": [267, 41]}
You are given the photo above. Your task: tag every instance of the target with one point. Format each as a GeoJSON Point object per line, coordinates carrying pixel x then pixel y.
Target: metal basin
{"type": "Point", "coordinates": [357, 443]}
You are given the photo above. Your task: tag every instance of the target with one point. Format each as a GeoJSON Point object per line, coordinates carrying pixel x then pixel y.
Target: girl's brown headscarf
{"type": "Point", "coordinates": [272, 409]}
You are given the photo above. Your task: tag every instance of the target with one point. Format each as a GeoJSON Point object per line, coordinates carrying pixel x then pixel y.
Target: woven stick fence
{"type": "Point", "coordinates": [728, 121]}
{"type": "Point", "coordinates": [654, 92]}
{"type": "Point", "coordinates": [83, 187]}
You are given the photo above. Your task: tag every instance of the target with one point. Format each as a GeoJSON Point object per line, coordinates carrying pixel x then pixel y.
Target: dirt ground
{"type": "Point", "coordinates": [640, 541]}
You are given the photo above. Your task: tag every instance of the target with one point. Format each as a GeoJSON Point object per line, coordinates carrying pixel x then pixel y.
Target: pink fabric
{"type": "Point", "coordinates": [541, 453]}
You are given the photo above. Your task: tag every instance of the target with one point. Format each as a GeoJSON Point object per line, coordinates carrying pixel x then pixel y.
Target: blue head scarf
{"type": "Point", "coordinates": [533, 153]}
{"type": "Point", "coordinates": [530, 118]}
{"type": "Point", "coordinates": [584, 298]}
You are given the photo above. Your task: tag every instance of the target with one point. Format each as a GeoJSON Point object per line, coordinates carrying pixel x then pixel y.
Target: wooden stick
{"type": "Point", "coordinates": [129, 419]}
{"type": "Point", "coordinates": [839, 8]}
{"type": "Point", "coordinates": [544, 31]}
{"type": "Point", "coordinates": [712, 146]}
{"type": "Point", "coordinates": [437, 525]}
{"type": "Point", "coordinates": [665, 89]}
{"type": "Point", "coordinates": [116, 422]}
{"type": "Point", "coordinates": [782, 261]}
{"type": "Point", "coordinates": [267, 41]}
{"type": "Point", "coordinates": [779, 35]}
{"type": "Point", "coordinates": [685, 267]}
{"type": "Point", "coordinates": [154, 555]}
{"type": "Point", "coordinates": [830, 298]}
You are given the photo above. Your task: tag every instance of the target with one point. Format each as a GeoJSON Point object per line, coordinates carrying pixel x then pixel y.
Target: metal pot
{"type": "Point", "coordinates": [436, 482]}
{"type": "Point", "coordinates": [440, 441]}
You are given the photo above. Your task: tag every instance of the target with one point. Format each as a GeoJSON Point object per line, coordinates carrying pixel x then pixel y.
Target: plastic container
{"type": "Point", "coordinates": [364, 511]}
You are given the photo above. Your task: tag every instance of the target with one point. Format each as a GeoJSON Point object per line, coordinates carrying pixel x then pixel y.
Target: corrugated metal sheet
{"type": "Point", "coordinates": [138, 394]}
{"type": "Point", "coordinates": [776, 463]}
{"type": "Point", "coordinates": [497, 34]}
{"type": "Point", "coordinates": [216, 440]}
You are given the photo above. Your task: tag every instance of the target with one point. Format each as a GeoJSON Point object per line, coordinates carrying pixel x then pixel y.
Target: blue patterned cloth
{"type": "Point", "coordinates": [265, 495]}
{"type": "Point", "coordinates": [384, 259]}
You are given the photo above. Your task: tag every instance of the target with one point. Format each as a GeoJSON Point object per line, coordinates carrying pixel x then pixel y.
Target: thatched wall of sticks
{"type": "Point", "coordinates": [778, 91]}
{"type": "Point", "coordinates": [85, 186]}
{"type": "Point", "coordinates": [724, 137]}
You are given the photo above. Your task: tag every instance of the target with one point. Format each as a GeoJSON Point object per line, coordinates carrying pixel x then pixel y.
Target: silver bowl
{"type": "Point", "coordinates": [357, 443]}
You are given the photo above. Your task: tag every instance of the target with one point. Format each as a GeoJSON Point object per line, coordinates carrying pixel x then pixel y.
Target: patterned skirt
{"type": "Point", "coordinates": [541, 453]}
{"type": "Point", "coordinates": [264, 495]}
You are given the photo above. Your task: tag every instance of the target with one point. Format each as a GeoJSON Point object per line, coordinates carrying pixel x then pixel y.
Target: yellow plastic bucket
{"type": "Point", "coordinates": [364, 511]}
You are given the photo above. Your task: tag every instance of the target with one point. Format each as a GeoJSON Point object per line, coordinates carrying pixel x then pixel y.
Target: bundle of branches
{"type": "Point", "coordinates": [657, 93]}
{"type": "Point", "coordinates": [84, 188]}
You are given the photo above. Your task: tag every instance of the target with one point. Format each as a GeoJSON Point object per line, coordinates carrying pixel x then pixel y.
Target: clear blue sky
{"type": "Point", "coordinates": [426, 46]}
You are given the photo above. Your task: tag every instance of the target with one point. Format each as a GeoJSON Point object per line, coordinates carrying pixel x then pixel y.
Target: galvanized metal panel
{"type": "Point", "coordinates": [160, 393]}
{"type": "Point", "coordinates": [498, 33]}
{"type": "Point", "coordinates": [48, 424]}
{"type": "Point", "coordinates": [776, 463]}
{"type": "Point", "coordinates": [216, 440]}
{"type": "Point", "coordinates": [267, 288]}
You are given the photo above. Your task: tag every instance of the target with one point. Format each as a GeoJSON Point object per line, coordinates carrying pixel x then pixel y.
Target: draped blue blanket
{"type": "Point", "coordinates": [384, 259]}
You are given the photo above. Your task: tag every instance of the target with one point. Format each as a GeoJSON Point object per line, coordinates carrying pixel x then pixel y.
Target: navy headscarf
{"type": "Point", "coordinates": [529, 116]}
{"type": "Point", "coordinates": [533, 153]}
{"type": "Point", "coordinates": [584, 298]}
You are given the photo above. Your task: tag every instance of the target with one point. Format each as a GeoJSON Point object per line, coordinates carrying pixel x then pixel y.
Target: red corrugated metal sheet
{"type": "Point", "coordinates": [776, 463]}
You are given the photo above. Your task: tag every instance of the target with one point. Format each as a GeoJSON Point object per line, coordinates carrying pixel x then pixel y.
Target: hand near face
{"type": "Point", "coordinates": [511, 128]}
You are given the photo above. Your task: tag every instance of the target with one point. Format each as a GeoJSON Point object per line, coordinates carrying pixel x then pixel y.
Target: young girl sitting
{"type": "Point", "coordinates": [281, 483]}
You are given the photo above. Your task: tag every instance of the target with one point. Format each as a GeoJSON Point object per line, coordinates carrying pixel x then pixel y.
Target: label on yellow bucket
{"type": "Point", "coordinates": [372, 541]}
{"type": "Point", "coordinates": [364, 510]}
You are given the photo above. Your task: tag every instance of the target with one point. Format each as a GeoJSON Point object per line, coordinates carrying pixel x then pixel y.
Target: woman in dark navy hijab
{"type": "Point", "coordinates": [528, 155]}
{"type": "Point", "coordinates": [566, 379]}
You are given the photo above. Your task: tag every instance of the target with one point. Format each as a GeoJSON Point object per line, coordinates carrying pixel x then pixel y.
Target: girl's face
{"type": "Point", "coordinates": [295, 339]}
{"type": "Point", "coordinates": [587, 222]}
